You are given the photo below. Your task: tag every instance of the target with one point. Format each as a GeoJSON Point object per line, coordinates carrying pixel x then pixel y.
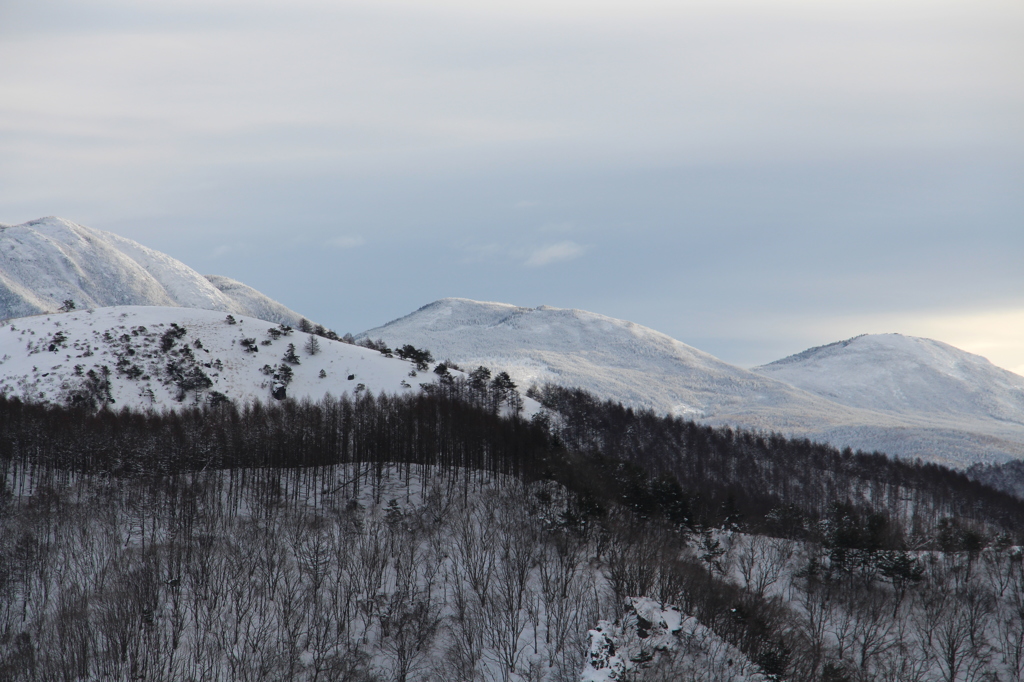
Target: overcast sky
{"type": "Point", "coordinates": [752, 178]}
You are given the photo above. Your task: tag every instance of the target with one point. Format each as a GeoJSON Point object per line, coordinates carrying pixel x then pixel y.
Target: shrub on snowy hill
{"type": "Point", "coordinates": [312, 346]}
{"type": "Point", "coordinates": [419, 357]}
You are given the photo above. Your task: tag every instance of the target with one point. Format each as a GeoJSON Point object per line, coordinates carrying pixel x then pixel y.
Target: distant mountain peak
{"type": "Point", "coordinates": [816, 351]}
{"type": "Point", "coordinates": [45, 261]}
{"type": "Point", "coordinates": [907, 375]}
{"type": "Point", "coordinates": [613, 358]}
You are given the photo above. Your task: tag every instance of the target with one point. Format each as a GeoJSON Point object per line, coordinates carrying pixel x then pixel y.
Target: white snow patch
{"type": "Point", "coordinates": [652, 636]}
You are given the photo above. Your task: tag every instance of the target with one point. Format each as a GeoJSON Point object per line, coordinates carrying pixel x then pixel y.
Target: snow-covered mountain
{"type": "Point", "coordinates": [639, 366]}
{"type": "Point", "coordinates": [906, 375]}
{"type": "Point", "coordinates": [612, 358]}
{"type": "Point", "coordinates": [975, 406]}
{"type": "Point", "coordinates": [44, 262]}
{"type": "Point", "coordinates": [160, 357]}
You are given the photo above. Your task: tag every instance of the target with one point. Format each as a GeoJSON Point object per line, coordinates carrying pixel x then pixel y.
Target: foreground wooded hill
{"type": "Point", "coordinates": [432, 536]}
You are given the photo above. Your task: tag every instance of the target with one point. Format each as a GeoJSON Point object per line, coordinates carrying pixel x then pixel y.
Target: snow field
{"type": "Point", "coordinates": [35, 368]}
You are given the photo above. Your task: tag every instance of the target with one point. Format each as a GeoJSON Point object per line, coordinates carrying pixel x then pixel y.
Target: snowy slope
{"type": "Point", "coordinates": [905, 375]}
{"type": "Point", "coordinates": [252, 302]}
{"type": "Point", "coordinates": [48, 358]}
{"type": "Point", "coordinates": [968, 408]}
{"type": "Point", "coordinates": [639, 366]}
{"type": "Point", "coordinates": [610, 357]}
{"type": "Point", "coordinates": [45, 261]}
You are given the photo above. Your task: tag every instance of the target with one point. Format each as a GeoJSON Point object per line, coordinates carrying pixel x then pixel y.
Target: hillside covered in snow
{"type": "Point", "coordinates": [638, 366]}
{"type": "Point", "coordinates": [47, 261]}
{"type": "Point", "coordinates": [905, 375]}
{"type": "Point", "coordinates": [612, 358]}
{"type": "Point", "coordinates": [158, 357]}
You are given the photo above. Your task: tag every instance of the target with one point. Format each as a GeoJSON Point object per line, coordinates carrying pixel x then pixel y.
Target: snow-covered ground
{"type": "Point", "coordinates": [639, 366]}
{"type": "Point", "coordinates": [661, 638]}
{"type": "Point", "coordinates": [49, 358]}
{"type": "Point", "coordinates": [391, 574]}
{"type": "Point", "coordinates": [44, 262]}
{"type": "Point", "coordinates": [613, 358]}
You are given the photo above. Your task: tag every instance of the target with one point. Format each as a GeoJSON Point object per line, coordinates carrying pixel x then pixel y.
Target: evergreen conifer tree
{"type": "Point", "coordinates": [290, 355]}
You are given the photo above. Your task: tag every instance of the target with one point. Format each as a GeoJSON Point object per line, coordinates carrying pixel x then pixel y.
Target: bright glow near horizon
{"type": "Point", "coordinates": [745, 176]}
{"type": "Point", "coordinates": [995, 335]}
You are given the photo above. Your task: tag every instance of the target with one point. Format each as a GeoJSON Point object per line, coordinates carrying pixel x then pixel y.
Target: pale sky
{"type": "Point", "coordinates": [750, 177]}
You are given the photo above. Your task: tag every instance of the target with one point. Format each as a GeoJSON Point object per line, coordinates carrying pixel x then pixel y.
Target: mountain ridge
{"type": "Point", "coordinates": [642, 367]}
{"type": "Point", "coordinates": [906, 375]}
{"type": "Point", "coordinates": [43, 262]}
{"type": "Point", "coordinates": [809, 352]}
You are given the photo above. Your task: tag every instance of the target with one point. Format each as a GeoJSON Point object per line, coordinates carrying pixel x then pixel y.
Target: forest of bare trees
{"type": "Point", "coordinates": [436, 537]}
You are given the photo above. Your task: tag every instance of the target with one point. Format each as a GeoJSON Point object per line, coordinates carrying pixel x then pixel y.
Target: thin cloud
{"type": "Point", "coordinates": [346, 242]}
{"type": "Point", "coordinates": [475, 253]}
{"type": "Point", "coordinates": [555, 253]}
{"type": "Point", "coordinates": [558, 227]}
